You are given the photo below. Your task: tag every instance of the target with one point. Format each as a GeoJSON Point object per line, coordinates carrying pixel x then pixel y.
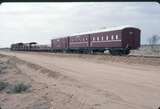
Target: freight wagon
{"type": "Point", "coordinates": [32, 46]}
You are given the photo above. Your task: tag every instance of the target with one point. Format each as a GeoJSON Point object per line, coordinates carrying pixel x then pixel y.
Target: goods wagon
{"type": "Point", "coordinates": [32, 46]}
{"type": "Point", "coordinates": [20, 46]}
{"type": "Point", "coordinates": [119, 40]}
{"type": "Point", "coordinates": [40, 48]}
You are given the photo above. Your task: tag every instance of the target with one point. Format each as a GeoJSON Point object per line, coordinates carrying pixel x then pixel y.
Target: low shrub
{"type": "Point", "coordinates": [20, 87]}
{"type": "Point", "coordinates": [17, 88]}
{"type": "Point", "coordinates": [3, 85]}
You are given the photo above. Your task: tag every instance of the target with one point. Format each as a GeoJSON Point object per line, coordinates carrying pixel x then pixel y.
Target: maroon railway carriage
{"type": "Point", "coordinates": [60, 44]}
{"type": "Point", "coordinates": [79, 43]}
{"type": "Point", "coordinates": [119, 40]}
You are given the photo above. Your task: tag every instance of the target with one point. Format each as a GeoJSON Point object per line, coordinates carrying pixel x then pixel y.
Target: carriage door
{"type": "Point", "coordinates": [131, 39]}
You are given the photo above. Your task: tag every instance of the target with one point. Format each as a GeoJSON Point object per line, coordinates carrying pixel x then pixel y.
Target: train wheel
{"type": "Point", "coordinates": [119, 52]}
{"type": "Point", "coordinates": [112, 52]}
{"type": "Point", "coordinates": [126, 52]}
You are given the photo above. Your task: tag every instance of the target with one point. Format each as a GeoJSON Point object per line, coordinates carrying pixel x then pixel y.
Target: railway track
{"type": "Point", "coordinates": [144, 56]}
{"type": "Point", "coordinates": [107, 54]}
{"type": "Point", "coordinates": [130, 55]}
{"type": "Point", "coordinates": [100, 57]}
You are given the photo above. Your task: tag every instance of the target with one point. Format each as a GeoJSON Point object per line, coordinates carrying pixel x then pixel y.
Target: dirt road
{"type": "Point", "coordinates": [101, 84]}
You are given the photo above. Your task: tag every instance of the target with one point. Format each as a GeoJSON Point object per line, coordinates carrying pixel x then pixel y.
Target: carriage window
{"type": "Point", "coordinates": [102, 38]}
{"type": "Point", "coordinates": [130, 32]}
{"type": "Point", "coordinates": [97, 38]}
{"type": "Point", "coordinates": [116, 37]}
{"type": "Point", "coordinates": [86, 38]}
{"type": "Point", "coordinates": [93, 38]}
{"type": "Point", "coordinates": [112, 37]}
{"type": "Point", "coordinates": [106, 37]}
{"type": "Point", "coordinates": [83, 39]}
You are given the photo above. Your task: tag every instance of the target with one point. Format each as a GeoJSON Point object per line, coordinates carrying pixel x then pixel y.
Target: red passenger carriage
{"type": "Point", "coordinates": [119, 40]}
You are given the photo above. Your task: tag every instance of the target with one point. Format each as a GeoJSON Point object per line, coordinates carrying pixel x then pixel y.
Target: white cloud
{"type": "Point", "coordinates": [42, 21]}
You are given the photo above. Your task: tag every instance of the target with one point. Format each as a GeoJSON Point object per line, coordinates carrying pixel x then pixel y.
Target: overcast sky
{"type": "Point", "coordinates": [40, 22]}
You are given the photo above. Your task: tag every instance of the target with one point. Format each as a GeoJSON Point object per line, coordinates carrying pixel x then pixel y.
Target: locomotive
{"type": "Point", "coordinates": [118, 41]}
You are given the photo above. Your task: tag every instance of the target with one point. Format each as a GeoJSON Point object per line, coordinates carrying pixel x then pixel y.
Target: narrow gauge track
{"type": "Point", "coordinates": [144, 56]}
{"type": "Point", "coordinates": [130, 55]}
{"type": "Point", "coordinates": [98, 53]}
